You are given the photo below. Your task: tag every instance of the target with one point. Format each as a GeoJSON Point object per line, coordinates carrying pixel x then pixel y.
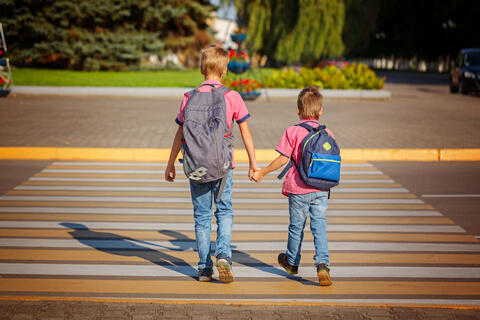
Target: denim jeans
{"type": "Point", "coordinates": [202, 196]}
{"type": "Point", "coordinates": [300, 205]}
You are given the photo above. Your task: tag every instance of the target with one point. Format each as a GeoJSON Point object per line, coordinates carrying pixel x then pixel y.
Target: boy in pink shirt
{"type": "Point", "coordinates": [213, 65]}
{"type": "Point", "coordinates": [302, 198]}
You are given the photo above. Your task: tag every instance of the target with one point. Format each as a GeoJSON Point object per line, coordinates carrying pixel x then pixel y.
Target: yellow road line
{"type": "Point", "coordinates": [191, 257]}
{"type": "Point", "coordinates": [243, 288]}
{"type": "Point", "coordinates": [262, 155]}
{"type": "Point", "coordinates": [240, 195]}
{"type": "Point", "coordinates": [238, 219]}
{"type": "Point", "coordinates": [245, 236]}
{"type": "Point", "coordinates": [188, 205]}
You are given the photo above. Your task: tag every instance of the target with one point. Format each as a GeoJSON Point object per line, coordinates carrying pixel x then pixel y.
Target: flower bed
{"type": "Point", "coordinates": [247, 88]}
{"type": "Point", "coordinates": [351, 76]}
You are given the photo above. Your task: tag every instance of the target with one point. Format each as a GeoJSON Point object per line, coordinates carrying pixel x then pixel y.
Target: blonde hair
{"type": "Point", "coordinates": [309, 103]}
{"type": "Point", "coordinates": [213, 60]}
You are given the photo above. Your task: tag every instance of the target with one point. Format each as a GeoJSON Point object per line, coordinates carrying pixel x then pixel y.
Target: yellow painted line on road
{"type": "Point", "coordinates": [188, 205]}
{"type": "Point", "coordinates": [190, 257]}
{"type": "Point", "coordinates": [262, 155]}
{"type": "Point", "coordinates": [238, 219]}
{"type": "Point", "coordinates": [242, 288]}
{"type": "Point", "coordinates": [239, 195]}
{"type": "Point", "coordinates": [237, 235]}
{"type": "Point", "coordinates": [460, 154]}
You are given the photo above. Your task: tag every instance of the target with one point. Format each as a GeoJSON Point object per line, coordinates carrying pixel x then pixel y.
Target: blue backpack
{"type": "Point", "coordinates": [320, 159]}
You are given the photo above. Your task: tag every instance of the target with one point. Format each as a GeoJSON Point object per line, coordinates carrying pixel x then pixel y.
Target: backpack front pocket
{"type": "Point", "coordinates": [325, 166]}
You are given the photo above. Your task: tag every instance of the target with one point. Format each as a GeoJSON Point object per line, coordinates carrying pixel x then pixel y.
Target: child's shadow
{"type": "Point", "coordinates": [128, 247]}
{"type": "Point", "coordinates": [183, 242]}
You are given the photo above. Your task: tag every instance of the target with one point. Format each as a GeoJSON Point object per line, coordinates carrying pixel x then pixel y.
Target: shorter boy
{"type": "Point", "coordinates": [302, 198]}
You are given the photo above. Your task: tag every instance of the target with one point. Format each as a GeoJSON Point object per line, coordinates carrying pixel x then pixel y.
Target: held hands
{"type": "Point", "coordinates": [255, 174]}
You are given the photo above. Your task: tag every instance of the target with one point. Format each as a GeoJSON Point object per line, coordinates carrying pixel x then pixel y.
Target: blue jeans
{"type": "Point", "coordinates": [202, 196]}
{"type": "Point", "coordinates": [300, 205]}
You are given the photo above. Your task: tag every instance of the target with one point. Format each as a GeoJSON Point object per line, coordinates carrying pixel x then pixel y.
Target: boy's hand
{"type": "Point", "coordinates": [170, 173]}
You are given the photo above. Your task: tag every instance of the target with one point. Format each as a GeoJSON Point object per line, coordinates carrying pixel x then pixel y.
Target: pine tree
{"type": "Point", "coordinates": [101, 35]}
{"type": "Point", "coordinates": [293, 30]}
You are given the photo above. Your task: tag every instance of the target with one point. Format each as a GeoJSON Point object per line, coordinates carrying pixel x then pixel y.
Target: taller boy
{"type": "Point", "coordinates": [213, 66]}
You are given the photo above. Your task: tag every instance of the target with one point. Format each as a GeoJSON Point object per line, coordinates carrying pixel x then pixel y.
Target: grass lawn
{"type": "Point", "coordinates": [44, 77]}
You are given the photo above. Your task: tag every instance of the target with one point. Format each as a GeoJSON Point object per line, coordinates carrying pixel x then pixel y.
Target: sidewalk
{"type": "Point", "coordinates": [425, 118]}
{"type": "Point", "coordinates": [174, 92]}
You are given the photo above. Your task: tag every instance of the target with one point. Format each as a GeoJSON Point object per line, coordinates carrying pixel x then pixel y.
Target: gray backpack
{"type": "Point", "coordinates": [208, 143]}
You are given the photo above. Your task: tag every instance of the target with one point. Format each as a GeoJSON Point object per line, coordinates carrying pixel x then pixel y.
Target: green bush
{"type": "Point", "coordinates": [353, 76]}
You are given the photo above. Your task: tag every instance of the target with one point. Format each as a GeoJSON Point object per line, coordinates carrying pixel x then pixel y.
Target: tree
{"type": "Point", "coordinates": [292, 31]}
{"type": "Point", "coordinates": [97, 35]}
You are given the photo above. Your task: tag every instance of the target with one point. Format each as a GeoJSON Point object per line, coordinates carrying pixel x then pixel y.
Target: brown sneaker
{"type": "Point", "coordinates": [225, 273]}
{"type": "Point", "coordinates": [323, 273]}
{"type": "Point", "coordinates": [283, 261]}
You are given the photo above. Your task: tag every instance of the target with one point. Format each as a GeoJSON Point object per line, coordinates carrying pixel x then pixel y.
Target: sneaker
{"type": "Point", "coordinates": [283, 261]}
{"type": "Point", "coordinates": [205, 275]}
{"type": "Point", "coordinates": [224, 267]}
{"type": "Point", "coordinates": [323, 273]}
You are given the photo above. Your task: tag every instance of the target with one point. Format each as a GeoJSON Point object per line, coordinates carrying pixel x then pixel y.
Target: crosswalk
{"type": "Point", "coordinates": [118, 230]}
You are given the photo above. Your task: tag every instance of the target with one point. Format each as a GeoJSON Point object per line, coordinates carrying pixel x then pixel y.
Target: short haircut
{"type": "Point", "coordinates": [309, 103]}
{"type": "Point", "coordinates": [213, 60]}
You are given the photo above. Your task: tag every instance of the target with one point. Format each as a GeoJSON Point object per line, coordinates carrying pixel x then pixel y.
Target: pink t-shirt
{"type": "Point", "coordinates": [289, 146]}
{"type": "Point", "coordinates": [235, 106]}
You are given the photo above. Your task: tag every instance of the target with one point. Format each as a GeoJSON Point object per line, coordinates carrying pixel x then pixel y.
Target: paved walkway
{"type": "Point", "coordinates": [117, 230]}
{"type": "Point", "coordinates": [423, 116]}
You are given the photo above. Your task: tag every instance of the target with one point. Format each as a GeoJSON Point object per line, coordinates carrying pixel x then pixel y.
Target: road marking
{"type": "Point", "coordinates": [189, 212]}
{"type": "Point", "coordinates": [239, 246]}
{"type": "Point", "coordinates": [160, 164]}
{"type": "Point", "coordinates": [242, 288]}
{"type": "Point", "coordinates": [237, 172]}
{"type": "Point", "coordinates": [183, 200]}
{"type": "Point", "coordinates": [240, 272]}
{"type": "Point", "coordinates": [186, 189]}
{"type": "Point", "coordinates": [252, 258]}
{"type": "Point", "coordinates": [450, 195]}
{"type": "Point", "coordinates": [236, 236]}
{"type": "Point", "coordinates": [162, 180]}
{"type": "Point", "coordinates": [236, 227]}
{"type": "Point", "coordinates": [241, 219]}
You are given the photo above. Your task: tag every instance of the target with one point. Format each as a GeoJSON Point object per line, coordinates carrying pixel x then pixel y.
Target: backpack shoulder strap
{"type": "Point", "coordinates": [189, 94]}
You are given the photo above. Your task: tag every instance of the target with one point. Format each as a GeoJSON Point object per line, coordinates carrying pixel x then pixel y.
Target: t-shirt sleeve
{"type": "Point", "coordinates": [239, 109]}
{"type": "Point", "coordinates": [286, 145]}
{"type": "Point", "coordinates": [330, 133]}
{"type": "Point", "coordinates": [179, 119]}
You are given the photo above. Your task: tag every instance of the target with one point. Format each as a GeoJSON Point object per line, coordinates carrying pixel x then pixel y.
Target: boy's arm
{"type": "Point", "coordinates": [279, 162]}
{"type": "Point", "coordinates": [177, 143]}
{"type": "Point", "coordinates": [249, 146]}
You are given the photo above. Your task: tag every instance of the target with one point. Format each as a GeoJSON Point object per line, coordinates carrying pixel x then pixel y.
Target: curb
{"type": "Point", "coordinates": [240, 302]}
{"type": "Point", "coordinates": [262, 155]}
{"type": "Point", "coordinates": [175, 92]}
